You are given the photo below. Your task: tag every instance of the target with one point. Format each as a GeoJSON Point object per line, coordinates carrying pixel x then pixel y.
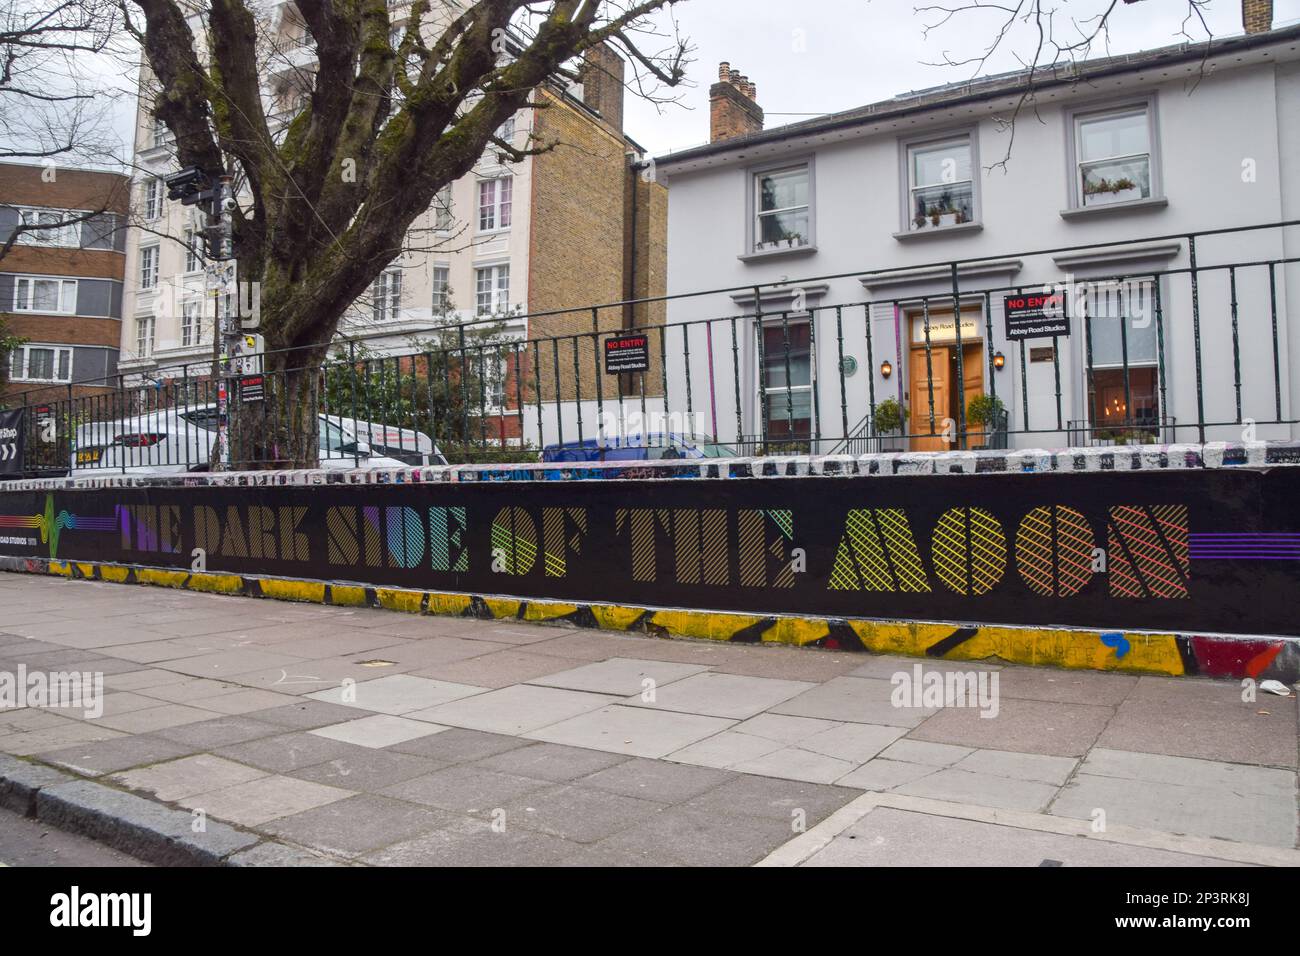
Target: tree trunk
{"type": "Point", "coordinates": [282, 430]}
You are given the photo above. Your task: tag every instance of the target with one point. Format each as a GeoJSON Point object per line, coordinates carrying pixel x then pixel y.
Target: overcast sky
{"type": "Point", "coordinates": [809, 57]}
{"type": "Point", "coordinates": [822, 56]}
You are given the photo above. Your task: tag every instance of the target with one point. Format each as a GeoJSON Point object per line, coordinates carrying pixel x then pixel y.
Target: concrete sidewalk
{"type": "Point", "coordinates": [307, 733]}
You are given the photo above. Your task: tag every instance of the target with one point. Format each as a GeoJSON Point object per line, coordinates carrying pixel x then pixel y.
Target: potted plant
{"type": "Point", "coordinates": [1104, 191]}
{"type": "Point", "coordinates": [889, 419]}
{"type": "Point", "coordinates": [983, 412]}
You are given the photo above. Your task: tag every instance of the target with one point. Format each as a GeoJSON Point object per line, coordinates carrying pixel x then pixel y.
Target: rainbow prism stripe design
{"type": "Point", "coordinates": [51, 526]}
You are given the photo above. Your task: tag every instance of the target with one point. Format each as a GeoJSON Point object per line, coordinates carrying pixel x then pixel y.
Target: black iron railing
{"type": "Point", "coordinates": [1188, 352]}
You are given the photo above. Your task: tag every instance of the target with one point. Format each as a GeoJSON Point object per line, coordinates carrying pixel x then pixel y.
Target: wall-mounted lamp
{"type": "Point", "coordinates": [886, 369]}
{"type": "Point", "coordinates": [999, 360]}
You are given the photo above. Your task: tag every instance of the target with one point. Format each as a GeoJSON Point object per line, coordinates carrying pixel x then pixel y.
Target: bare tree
{"type": "Point", "coordinates": [50, 109]}
{"type": "Point", "coordinates": [384, 125]}
{"type": "Point", "coordinates": [1054, 39]}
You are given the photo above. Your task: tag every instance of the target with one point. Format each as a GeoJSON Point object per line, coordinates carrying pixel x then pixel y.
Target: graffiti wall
{"type": "Point", "coordinates": [1203, 551]}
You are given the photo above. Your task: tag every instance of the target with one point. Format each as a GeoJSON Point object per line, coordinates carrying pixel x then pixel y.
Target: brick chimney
{"type": "Point", "coordinates": [602, 84]}
{"type": "Point", "coordinates": [733, 107]}
{"type": "Point", "coordinates": [1257, 15]}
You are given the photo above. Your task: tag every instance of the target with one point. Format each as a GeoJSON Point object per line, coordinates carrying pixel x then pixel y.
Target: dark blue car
{"type": "Point", "coordinates": [655, 446]}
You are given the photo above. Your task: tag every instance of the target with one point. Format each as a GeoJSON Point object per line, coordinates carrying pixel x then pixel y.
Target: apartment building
{"type": "Point", "coordinates": [1144, 185]}
{"type": "Point", "coordinates": [575, 226]}
{"type": "Point", "coordinates": [61, 284]}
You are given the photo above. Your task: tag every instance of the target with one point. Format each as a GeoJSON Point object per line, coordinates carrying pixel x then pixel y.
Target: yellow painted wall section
{"type": "Point", "coordinates": [169, 579]}
{"type": "Point", "coordinates": [1072, 649]}
{"type": "Point", "coordinates": [612, 618]}
{"type": "Point", "coordinates": [451, 605]}
{"type": "Point", "coordinates": [347, 596]}
{"type": "Point", "coordinates": [212, 583]}
{"type": "Point", "coordinates": [398, 600]}
{"type": "Point", "coordinates": [282, 590]}
{"type": "Point", "coordinates": [548, 610]}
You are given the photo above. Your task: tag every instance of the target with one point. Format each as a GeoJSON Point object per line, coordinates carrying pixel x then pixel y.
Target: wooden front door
{"type": "Point", "coordinates": [920, 378]}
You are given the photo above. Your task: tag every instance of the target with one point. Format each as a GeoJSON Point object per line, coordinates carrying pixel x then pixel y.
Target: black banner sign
{"type": "Point", "coordinates": [627, 353]}
{"type": "Point", "coordinates": [1035, 315]}
{"type": "Point", "coordinates": [1190, 551]}
{"type": "Point", "coordinates": [12, 442]}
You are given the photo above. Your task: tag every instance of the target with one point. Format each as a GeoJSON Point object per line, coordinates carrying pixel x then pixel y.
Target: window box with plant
{"type": "Point", "coordinates": [940, 184]}
{"type": "Point", "coordinates": [782, 218]}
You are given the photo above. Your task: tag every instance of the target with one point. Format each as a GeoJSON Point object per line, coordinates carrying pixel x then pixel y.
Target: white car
{"type": "Point", "coordinates": [175, 440]}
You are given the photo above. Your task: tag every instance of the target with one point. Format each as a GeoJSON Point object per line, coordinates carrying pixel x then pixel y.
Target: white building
{"type": "Point", "coordinates": [1115, 164]}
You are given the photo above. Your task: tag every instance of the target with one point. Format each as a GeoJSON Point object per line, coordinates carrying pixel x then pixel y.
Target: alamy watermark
{"type": "Point", "coordinates": [67, 689]}
{"type": "Point", "coordinates": [934, 688]}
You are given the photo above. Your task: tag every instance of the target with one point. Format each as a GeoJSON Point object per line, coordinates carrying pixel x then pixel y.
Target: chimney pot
{"type": "Point", "coordinates": [733, 106]}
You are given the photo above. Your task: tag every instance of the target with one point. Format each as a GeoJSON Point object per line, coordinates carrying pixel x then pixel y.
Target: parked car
{"type": "Point", "coordinates": [654, 446]}
{"type": "Point", "coordinates": [405, 444]}
{"type": "Point", "coordinates": [175, 440]}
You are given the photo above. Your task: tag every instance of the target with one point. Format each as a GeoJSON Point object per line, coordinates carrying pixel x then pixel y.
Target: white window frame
{"type": "Point", "coordinates": [1076, 117]}
{"type": "Point", "coordinates": [498, 292]}
{"type": "Point", "coordinates": [144, 343]}
{"type": "Point", "coordinates": [441, 289]}
{"type": "Point", "coordinates": [67, 295]}
{"type": "Point", "coordinates": [909, 147]}
{"type": "Point", "coordinates": [63, 236]}
{"type": "Point", "coordinates": [497, 214]}
{"type": "Point", "coordinates": [386, 296]}
{"type": "Point", "coordinates": [193, 247]}
{"type": "Point", "coordinates": [753, 205]}
{"type": "Point", "coordinates": [191, 322]}
{"type": "Point", "coordinates": [153, 199]}
{"type": "Point", "coordinates": [444, 220]}
{"type": "Point", "coordinates": [148, 278]}
{"type": "Point", "coordinates": [24, 351]}
{"type": "Point", "coordinates": [159, 134]}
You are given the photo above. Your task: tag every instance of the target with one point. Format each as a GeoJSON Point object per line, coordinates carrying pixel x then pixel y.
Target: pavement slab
{"type": "Point", "coordinates": [514, 710]}
{"type": "Point", "coordinates": [863, 700]}
{"type": "Point", "coordinates": [721, 695]}
{"type": "Point", "coordinates": [889, 837]}
{"type": "Point", "coordinates": [397, 694]}
{"type": "Point", "coordinates": [357, 825]}
{"type": "Point", "coordinates": [620, 676]}
{"type": "Point", "coordinates": [336, 736]}
{"type": "Point", "coordinates": [175, 779]}
{"type": "Point", "coordinates": [378, 730]}
{"type": "Point", "coordinates": [106, 756]}
{"type": "Point", "coordinates": [629, 730]}
{"type": "Point", "coordinates": [263, 799]}
{"type": "Point", "coordinates": [1029, 726]}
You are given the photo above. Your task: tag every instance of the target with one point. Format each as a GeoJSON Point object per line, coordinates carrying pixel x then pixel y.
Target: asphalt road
{"type": "Point", "coordinates": [26, 842]}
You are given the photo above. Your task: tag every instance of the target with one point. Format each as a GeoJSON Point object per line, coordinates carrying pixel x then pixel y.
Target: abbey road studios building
{"type": "Point", "coordinates": [1126, 276]}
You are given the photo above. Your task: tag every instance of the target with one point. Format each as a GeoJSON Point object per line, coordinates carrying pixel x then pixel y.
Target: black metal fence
{"type": "Point", "coordinates": [1193, 350]}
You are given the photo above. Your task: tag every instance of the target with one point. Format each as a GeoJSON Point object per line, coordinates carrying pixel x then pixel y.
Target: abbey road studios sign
{"type": "Point", "coordinates": [1035, 315]}
{"type": "Point", "coordinates": [11, 442]}
{"type": "Point", "coordinates": [629, 352]}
